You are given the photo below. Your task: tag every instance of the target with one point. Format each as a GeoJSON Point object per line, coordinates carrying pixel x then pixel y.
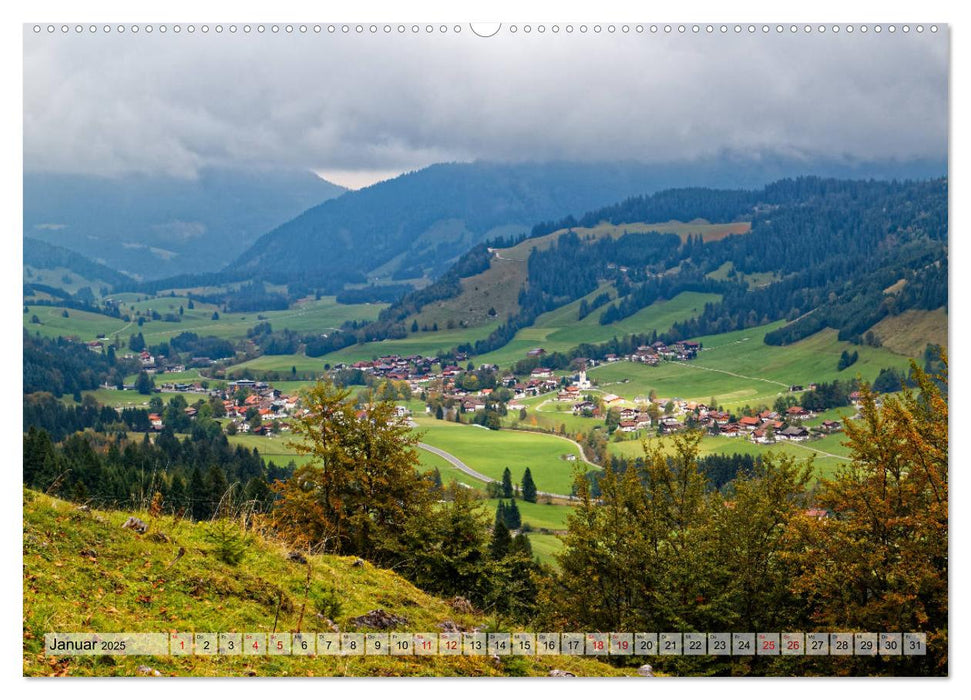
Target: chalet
{"type": "Point", "coordinates": [541, 373]}
{"type": "Point", "coordinates": [816, 513]}
{"type": "Point", "coordinates": [720, 417]}
{"type": "Point", "coordinates": [831, 426]}
{"type": "Point", "coordinates": [764, 434]}
{"type": "Point", "coordinates": [628, 414]}
{"type": "Point", "coordinates": [536, 352]}
{"type": "Point", "coordinates": [730, 430]}
{"type": "Point", "coordinates": [795, 387]}
{"type": "Point", "coordinates": [627, 426]}
{"type": "Point", "coordinates": [795, 433]}
{"type": "Point", "coordinates": [611, 358]}
{"type": "Point", "coordinates": [515, 406]}
{"type": "Point", "coordinates": [768, 415]}
{"type": "Point", "coordinates": [670, 425]}
{"type": "Point", "coordinates": [156, 421]}
{"type": "Point", "coordinates": [748, 423]}
{"type": "Point", "coordinates": [798, 412]}
{"type": "Point", "coordinates": [568, 394]}
{"type": "Point", "coordinates": [471, 405]}
{"type": "Point", "coordinates": [612, 399]}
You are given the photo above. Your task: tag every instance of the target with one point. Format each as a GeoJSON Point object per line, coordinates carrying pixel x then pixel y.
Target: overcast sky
{"type": "Point", "coordinates": [357, 108]}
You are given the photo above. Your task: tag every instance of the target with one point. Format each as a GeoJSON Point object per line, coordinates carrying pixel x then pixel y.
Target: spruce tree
{"type": "Point", "coordinates": [507, 491]}
{"type": "Point", "coordinates": [501, 541]}
{"type": "Point", "coordinates": [198, 496]}
{"type": "Point", "coordinates": [501, 512]}
{"type": "Point", "coordinates": [513, 519]}
{"type": "Point", "coordinates": [521, 545]}
{"type": "Point", "coordinates": [529, 487]}
{"type": "Point", "coordinates": [216, 487]}
{"type": "Point", "coordinates": [177, 493]}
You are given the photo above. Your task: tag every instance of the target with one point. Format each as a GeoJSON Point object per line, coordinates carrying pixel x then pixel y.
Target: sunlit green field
{"type": "Point", "coordinates": [545, 547]}
{"type": "Point", "coordinates": [827, 452]}
{"type": "Point", "coordinates": [491, 451]}
{"type": "Point", "coordinates": [429, 344]}
{"type": "Point", "coordinates": [540, 516]}
{"type": "Point", "coordinates": [551, 415]}
{"type": "Point", "coordinates": [738, 368]}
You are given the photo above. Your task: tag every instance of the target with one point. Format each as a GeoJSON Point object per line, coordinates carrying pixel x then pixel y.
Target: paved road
{"type": "Point", "coordinates": [463, 467]}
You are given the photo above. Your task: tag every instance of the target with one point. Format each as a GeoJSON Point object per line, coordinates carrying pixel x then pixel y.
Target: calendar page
{"type": "Point", "coordinates": [450, 349]}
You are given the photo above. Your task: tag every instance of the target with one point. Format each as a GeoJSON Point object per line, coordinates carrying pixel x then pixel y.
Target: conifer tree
{"type": "Point", "coordinates": [507, 491]}
{"type": "Point", "coordinates": [529, 487]}
{"type": "Point", "coordinates": [501, 541]}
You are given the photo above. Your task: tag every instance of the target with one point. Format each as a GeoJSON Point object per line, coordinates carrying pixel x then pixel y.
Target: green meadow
{"type": "Point", "coordinates": [560, 331]}
{"type": "Point", "coordinates": [738, 368]}
{"type": "Point", "coordinates": [491, 451]}
{"type": "Point", "coordinates": [306, 316]}
{"type": "Point", "coordinates": [827, 452]}
{"type": "Point", "coordinates": [539, 516]}
{"type": "Point", "coordinates": [118, 398]}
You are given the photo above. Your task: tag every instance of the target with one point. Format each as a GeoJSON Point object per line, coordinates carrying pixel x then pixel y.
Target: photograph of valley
{"type": "Point", "coordinates": [394, 350]}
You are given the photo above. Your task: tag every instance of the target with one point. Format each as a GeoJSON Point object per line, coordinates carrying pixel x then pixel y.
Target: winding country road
{"type": "Point", "coordinates": [463, 467]}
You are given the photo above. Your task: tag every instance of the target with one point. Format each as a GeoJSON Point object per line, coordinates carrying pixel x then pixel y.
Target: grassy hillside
{"type": "Point", "coordinates": [910, 332]}
{"type": "Point", "coordinates": [306, 316]}
{"type": "Point", "coordinates": [560, 331]}
{"type": "Point", "coordinates": [83, 573]}
{"type": "Point", "coordinates": [737, 368]}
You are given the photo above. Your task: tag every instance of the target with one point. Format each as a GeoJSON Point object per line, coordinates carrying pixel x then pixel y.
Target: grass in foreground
{"type": "Point", "coordinates": [83, 573]}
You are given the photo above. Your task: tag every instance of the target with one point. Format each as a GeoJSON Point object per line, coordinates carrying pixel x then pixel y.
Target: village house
{"type": "Point", "coordinates": [796, 433]}
{"type": "Point", "coordinates": [670, 425]}
{"type": "Point", "coordinates": [541, 373]}
{"type": "Point", "coordinates": [472, 405]}
{"type": "Point", "coordinates": [730, 430]}
{"type": "Point", "coordinates": [156, 421]}
{"type": "Point", "coordinates": [748, 423]}
{"type": "Point", "coordinates": [627, 426]}
{"type": "Point", "coordinates": [584, 407]}
{"type": "Point", "coordinates": [831, 426]}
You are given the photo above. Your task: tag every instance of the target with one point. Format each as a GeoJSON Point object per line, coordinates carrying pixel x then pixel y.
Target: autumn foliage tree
{"type": "Point", "coordinates": [880, 561]}
{"type": "Point", "coordinates": [361, 485]}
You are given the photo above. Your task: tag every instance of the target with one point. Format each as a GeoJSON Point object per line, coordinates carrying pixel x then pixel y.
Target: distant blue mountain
{"type": "Point", "coordinates": [156, 226]}
{"type": "Point", "coordinates": [420, 222]}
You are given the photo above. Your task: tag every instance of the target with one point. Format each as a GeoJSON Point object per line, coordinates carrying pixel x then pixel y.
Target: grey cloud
{"type": "Point", "coordinates": [111, 104]}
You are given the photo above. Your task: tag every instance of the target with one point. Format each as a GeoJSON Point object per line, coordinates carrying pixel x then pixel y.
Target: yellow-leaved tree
{"type": "Point", "coordinates": [360, 487]}
{"type": "Point", "coordinates": [879, 562]}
